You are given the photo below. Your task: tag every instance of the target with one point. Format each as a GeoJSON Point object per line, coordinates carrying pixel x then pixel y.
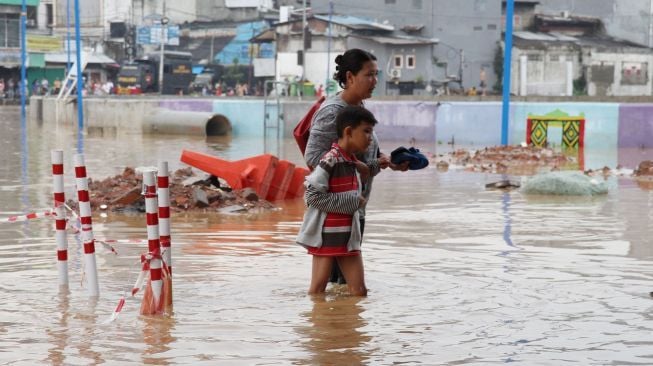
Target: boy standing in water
{"type": "Point", "coordinates": [331, 226]}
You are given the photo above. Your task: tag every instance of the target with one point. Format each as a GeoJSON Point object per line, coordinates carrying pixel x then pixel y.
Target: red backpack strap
{"type": "Point", "coordinates": [303, 128]}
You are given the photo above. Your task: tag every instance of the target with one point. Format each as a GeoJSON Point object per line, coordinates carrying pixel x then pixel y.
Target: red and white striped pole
{"type": "Point", "coordinates": [56, 156]}
{"type": "Point", "coordinates": [164, 214]}
{"type": "Point", "coordinates": [87, 225]}
{"type": "Point", "coordinates": [152, 214]}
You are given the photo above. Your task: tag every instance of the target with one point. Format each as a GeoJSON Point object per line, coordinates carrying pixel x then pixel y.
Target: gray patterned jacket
{"type": "Point", "coordinates": [323, 134]}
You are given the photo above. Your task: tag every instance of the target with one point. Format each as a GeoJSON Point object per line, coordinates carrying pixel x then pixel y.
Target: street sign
{"type": "Point", "coordinates": [151, 35]}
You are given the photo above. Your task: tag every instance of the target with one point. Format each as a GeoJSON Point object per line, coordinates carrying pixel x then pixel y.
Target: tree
{"type": "Point", "coordinates": [497, 65]}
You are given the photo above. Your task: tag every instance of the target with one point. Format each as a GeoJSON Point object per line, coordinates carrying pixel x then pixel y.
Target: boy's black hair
{"type": "Point", "coordinates": [353, 116]}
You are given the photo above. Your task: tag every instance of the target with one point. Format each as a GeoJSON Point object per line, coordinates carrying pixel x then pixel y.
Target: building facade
{"type": "Point", "coordinates": [467, 31]}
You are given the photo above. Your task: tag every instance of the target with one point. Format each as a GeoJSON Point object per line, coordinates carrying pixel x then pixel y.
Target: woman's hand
{"type": "Point", "coordinates": [363, 170]}
{"type": "Point", "coordinates": [401, 167]}
{"type": "Point", "coordinates": [384, 162]}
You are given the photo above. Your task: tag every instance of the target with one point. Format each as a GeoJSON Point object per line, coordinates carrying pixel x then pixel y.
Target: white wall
{"type": "Point", "coordinates": [617, 60]}
{"type": "Point", "coordinates": [545, 76]}
{"type": "Point", "coordinates": [316, 66]}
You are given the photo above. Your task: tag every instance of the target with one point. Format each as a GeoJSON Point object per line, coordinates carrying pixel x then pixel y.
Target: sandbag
{"type": "Point", "coordinates": [565, 183]}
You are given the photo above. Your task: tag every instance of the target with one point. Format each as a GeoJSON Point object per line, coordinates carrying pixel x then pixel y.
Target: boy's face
{"type": "Point", "coordinates": [361, 137]}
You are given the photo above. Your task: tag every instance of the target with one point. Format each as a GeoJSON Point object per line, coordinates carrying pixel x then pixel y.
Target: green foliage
{"type": "Point", "coordinates": [235, 73]}
{"type": "Point", "coordinates": [580, 85]}
{"type": "Point", "coordinates": [497, 65]}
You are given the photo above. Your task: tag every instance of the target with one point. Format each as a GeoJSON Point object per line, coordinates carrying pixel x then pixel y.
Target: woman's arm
{"type": "Point", "coordinates": [323, 134]}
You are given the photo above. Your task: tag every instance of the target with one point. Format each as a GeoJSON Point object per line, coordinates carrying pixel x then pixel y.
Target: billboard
{"type": "Point", "coordinates": [151, 35]}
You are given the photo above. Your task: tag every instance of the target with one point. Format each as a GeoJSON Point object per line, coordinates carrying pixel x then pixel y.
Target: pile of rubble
{"type": "Point", "coordinates": [517, 160]}
{"type": "Point", "coordinates": [188, 192]}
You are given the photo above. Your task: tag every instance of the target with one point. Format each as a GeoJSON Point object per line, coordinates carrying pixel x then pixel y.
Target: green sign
{"type": "Point", "coordinates": [20, 2]}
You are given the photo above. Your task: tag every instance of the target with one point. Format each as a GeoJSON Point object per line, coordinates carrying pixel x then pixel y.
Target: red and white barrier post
{"type": "Point", "coordinates": [163, 191]}
{"type": "Point", "coordinates": [87, 225]}
{"type": "Point", "coordinates": [60, 216]}
{"type": "Point", "coordinates": [153, 305]}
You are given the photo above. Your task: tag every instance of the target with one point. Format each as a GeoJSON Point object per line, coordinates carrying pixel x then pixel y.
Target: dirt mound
{"type": "Point", "coordinates": [188, 192]}
{"type": "Point", "coordinates": [516, 160]}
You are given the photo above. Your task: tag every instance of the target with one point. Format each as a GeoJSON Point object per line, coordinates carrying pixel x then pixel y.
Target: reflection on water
{"type": "Point", "coordinates": [334, 334]}
{"type": "Point", "coordinates": [456, 274]}
{"type": "Point", "coordinates": [58, 333]}
{"type": "Point", "coordinates": [157, 335]}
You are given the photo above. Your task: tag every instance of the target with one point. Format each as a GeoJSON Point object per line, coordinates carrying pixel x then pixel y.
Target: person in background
{"type": "Point", "coordinates": [57, 86]}
{"type": "Point", "coordinates": [356, 73]}
{"type": "Point", "coordinates": [11, 88]}
{"type": "Point", "coordinates": [35, 87]}
{"type": "Point", "coordinates": [482, 81]}
{"type": "Point", "coordinates": [45, 86]}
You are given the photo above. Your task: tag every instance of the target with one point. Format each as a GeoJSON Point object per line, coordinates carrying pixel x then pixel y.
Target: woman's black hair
{"type": "Point", "coordinates": [352, 60]}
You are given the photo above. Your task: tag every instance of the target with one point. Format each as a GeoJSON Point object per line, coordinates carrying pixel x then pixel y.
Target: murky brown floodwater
{"type": "Point", "coordinates": [457, 274]}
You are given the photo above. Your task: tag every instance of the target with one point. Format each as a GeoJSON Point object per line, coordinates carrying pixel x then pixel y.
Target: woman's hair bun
{"type": "Point", "coordinates": [338, 59]}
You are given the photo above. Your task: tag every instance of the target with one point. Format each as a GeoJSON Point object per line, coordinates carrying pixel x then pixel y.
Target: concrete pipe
{"type": "Point", "coordinates": [186, 123]}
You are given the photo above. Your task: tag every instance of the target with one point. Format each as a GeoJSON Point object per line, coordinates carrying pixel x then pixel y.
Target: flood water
{"type": "Point", "coordinates": [457, 274]}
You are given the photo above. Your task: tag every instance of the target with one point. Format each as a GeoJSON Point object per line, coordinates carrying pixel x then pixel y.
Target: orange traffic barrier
{"type": "Point", "coordinates": [216, 166]}
{"type": "Point", "coordinates": [259, 172]}
{"type": "Point", "coordinates": [282, 177]}
{"type": "Point", "coordinates": [296, 186]}
{"type": "Point", "coordinates": [271, 178]}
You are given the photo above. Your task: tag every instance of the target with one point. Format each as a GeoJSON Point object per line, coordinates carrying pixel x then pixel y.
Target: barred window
{"type": "Point", "coordinates": [634, 73]}
{"type": "Point", "coordinates": [410, 61]}
{"type": "Point", "coordinates": [9, 31]}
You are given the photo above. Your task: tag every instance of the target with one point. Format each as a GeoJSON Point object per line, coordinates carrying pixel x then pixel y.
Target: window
{"type": "Point", "coordinates": [398, 61]}
{"type": "Point", "coordinates": [417, 4]}
{"type": "Point", "coordinates": [491, 27]}
{"type": "Point", "coordinates": [634, 73]}
{"type": "Point", "coordinates": [477, 28]}
{"type": "Point", "coordinates": [410, 61]}
{"type": "Point", "coordinates": [534, 57]}
{"type": "Point", "coordinates": [9, 31]}
{"type": "Point", "coordinates": [554, 58]}
{"type": "Point", "coordinates": [389, 2]}
{"type": "Point", "coordinates": [49, 14]}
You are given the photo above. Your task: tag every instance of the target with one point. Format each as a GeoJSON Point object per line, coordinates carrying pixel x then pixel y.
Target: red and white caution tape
{"type": "Point", "coordinates": [29, 216]}
{"type": "Point", "coordinates": [146, 258]}
{"type": "Point", "coordinates": [116, 311]}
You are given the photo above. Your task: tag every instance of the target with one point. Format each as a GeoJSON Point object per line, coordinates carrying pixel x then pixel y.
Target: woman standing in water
{"type": "Point", "coordinates": [356, 73]}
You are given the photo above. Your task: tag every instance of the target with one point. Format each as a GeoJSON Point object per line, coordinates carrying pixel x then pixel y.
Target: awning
{"type": "Point", "coordinates": [93, 58]}
{"type": "Point", "coordinates": [36, 59]}
{"type": "Point", "coordinates": [399, 40]}
{"type": "Point", "coordinates": [10, 58]}
{"type": "Point", "coordinates": [20, 2]}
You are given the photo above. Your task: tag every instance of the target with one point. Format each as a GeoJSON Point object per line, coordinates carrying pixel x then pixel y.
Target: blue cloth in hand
{"type": "Point", "coordinates": [416, 159]}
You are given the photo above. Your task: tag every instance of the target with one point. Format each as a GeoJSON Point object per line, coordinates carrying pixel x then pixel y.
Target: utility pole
{"type": "Point", "coordinates": [328, 76]}
{"type": "Point", "coordinates": [460, 69]}
{"type": "Point", "coordinates": [164, 22]}
{"type": "Point", "coordinates": [300, 87]}
{"type": "Point", "coordinates": [211, 54]}
{"type": "Point", "coordinates": [507, 58]}
{"type": "Point", "coordinates": [650, 24]}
